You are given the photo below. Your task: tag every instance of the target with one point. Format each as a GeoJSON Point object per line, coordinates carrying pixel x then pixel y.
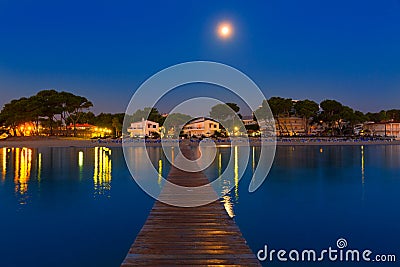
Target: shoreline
{"type": "Point", "coordinates": [37, 142]}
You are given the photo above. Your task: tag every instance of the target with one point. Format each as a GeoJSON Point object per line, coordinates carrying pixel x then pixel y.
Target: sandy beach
{"type": "Point", "coordinates": [34, 142]}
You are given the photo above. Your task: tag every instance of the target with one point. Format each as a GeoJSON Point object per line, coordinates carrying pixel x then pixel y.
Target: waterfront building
{"type": "Point", "coordinates": [201, 127]}
{"type": "Point", "coordinates": [291, 126]}
{"type": "Point", "coordinates": [391, 128]}
{"type": "Point", "coordinates": [86, 130]}
{"type": "Point", "coordinates": [144, 128]}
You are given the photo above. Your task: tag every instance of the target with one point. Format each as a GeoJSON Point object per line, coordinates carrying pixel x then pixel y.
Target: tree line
{"type": "Point", "coordinates": [55, 110]}
{"type": "Point", "coordinates": [47, 107]}
{"type": "Point", "coordinates": [336, 117]}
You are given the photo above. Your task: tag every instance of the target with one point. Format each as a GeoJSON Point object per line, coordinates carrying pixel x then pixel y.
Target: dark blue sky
{"type": "Point", "coordinates": [346, 50]}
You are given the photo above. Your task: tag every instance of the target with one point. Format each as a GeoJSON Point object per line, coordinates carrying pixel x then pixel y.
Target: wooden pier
{"type": "Point", "coordinates": [203, 235]}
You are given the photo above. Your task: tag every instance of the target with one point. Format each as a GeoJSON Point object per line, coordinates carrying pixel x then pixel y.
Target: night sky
{"type": "Point", "coordinates": [345, 50]}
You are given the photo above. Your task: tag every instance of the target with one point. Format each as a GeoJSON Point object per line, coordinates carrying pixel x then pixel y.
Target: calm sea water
{"type": "Point", "coordinates": [80, 207]}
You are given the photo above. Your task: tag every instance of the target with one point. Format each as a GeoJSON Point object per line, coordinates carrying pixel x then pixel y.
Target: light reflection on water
{"type": "Point", "coordinates": [229, 198]}
{"type": "Point", "coordinates": [328, 191]}
{"type": "Point", "coordinates": [362, 164]}
{"type": "Point", "coordinates": [226, 199]}
{"type": "Point", "coordinates": [21, 161]}
{"type": "Point", "coordinates": [159, 180]}
{"type": "Point", "coordinates": [23, 165]}
{"type": "Point", "coordinates": [236, 173]}
{"type": "Point", "coordinates": [18, 163]}
{"type": "Point", "coordinates": [4, 164]}
{"type": "Point", "coordinates": [26, 164]}
{"type": "Point", "coordinates": [102, 171]}
{"type": "Point", "coordinates": [39, 168]}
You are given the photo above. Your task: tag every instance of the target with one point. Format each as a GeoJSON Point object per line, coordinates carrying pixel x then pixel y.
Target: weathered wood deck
{"type": "Point", "coordinates": [203, 235]}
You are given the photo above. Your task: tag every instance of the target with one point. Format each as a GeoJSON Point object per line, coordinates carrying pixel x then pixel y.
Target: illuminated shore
{"type": "Point", "coordinates": [34, 142]}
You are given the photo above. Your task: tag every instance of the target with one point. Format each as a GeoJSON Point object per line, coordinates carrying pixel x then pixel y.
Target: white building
{"type": "Point", "coordinates": [391, 129]}
{"type": "Point", "coordinates": [143, 128]}
{"type": "Point", "coordinates": [249, 122]}
{"type": "Point", "coordinates": [201, 127]}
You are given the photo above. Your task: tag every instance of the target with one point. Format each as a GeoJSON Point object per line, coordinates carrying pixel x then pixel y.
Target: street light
{"type": "Point", "coordinates": [236, 130]}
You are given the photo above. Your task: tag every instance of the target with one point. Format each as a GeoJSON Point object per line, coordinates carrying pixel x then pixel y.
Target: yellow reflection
{"type": "Point", "coordinates": [219, 165]}
{"type": "Point", "coordinates": [224, 146]}
{"type": "Point", "coordinates": [228, 205]}
{"type": "Point", "coordinates": [159, 172]}
{"type": "Point", "coordinates": [362, 164]}
{"type": "Point", "coordinates": [16, 171]}
{"type": "Point", "coordinates": [23, 165]}
{"type": "Point", "coordinates": [321, 150]}
{"type": "Point", "coordinates": [39, 170]}
{"type": "Point", "coordinates": [226, 198]}
{"type": "Point", "coordinates": [102, 170]}
{"type": "Point", "coordinates": [80, 159]}
{"type": "Point", "coordinates": [254, 159]}
{"type": "Point", "coordinates": [96, 161]}
{"type": "Point", "coordinates": [4, 169]}
{"type": "Point", "coordinates": [236, 174]}
{"type": "Point", "coordinates": [173, 155]}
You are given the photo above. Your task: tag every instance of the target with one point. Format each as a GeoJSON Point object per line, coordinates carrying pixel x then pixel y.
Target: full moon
{"type": "Point", "coordinates": [224, 30]}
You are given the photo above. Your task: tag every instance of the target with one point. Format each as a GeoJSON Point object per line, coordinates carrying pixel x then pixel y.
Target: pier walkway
{"type": "Point", "coordinates": [203, 235]}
